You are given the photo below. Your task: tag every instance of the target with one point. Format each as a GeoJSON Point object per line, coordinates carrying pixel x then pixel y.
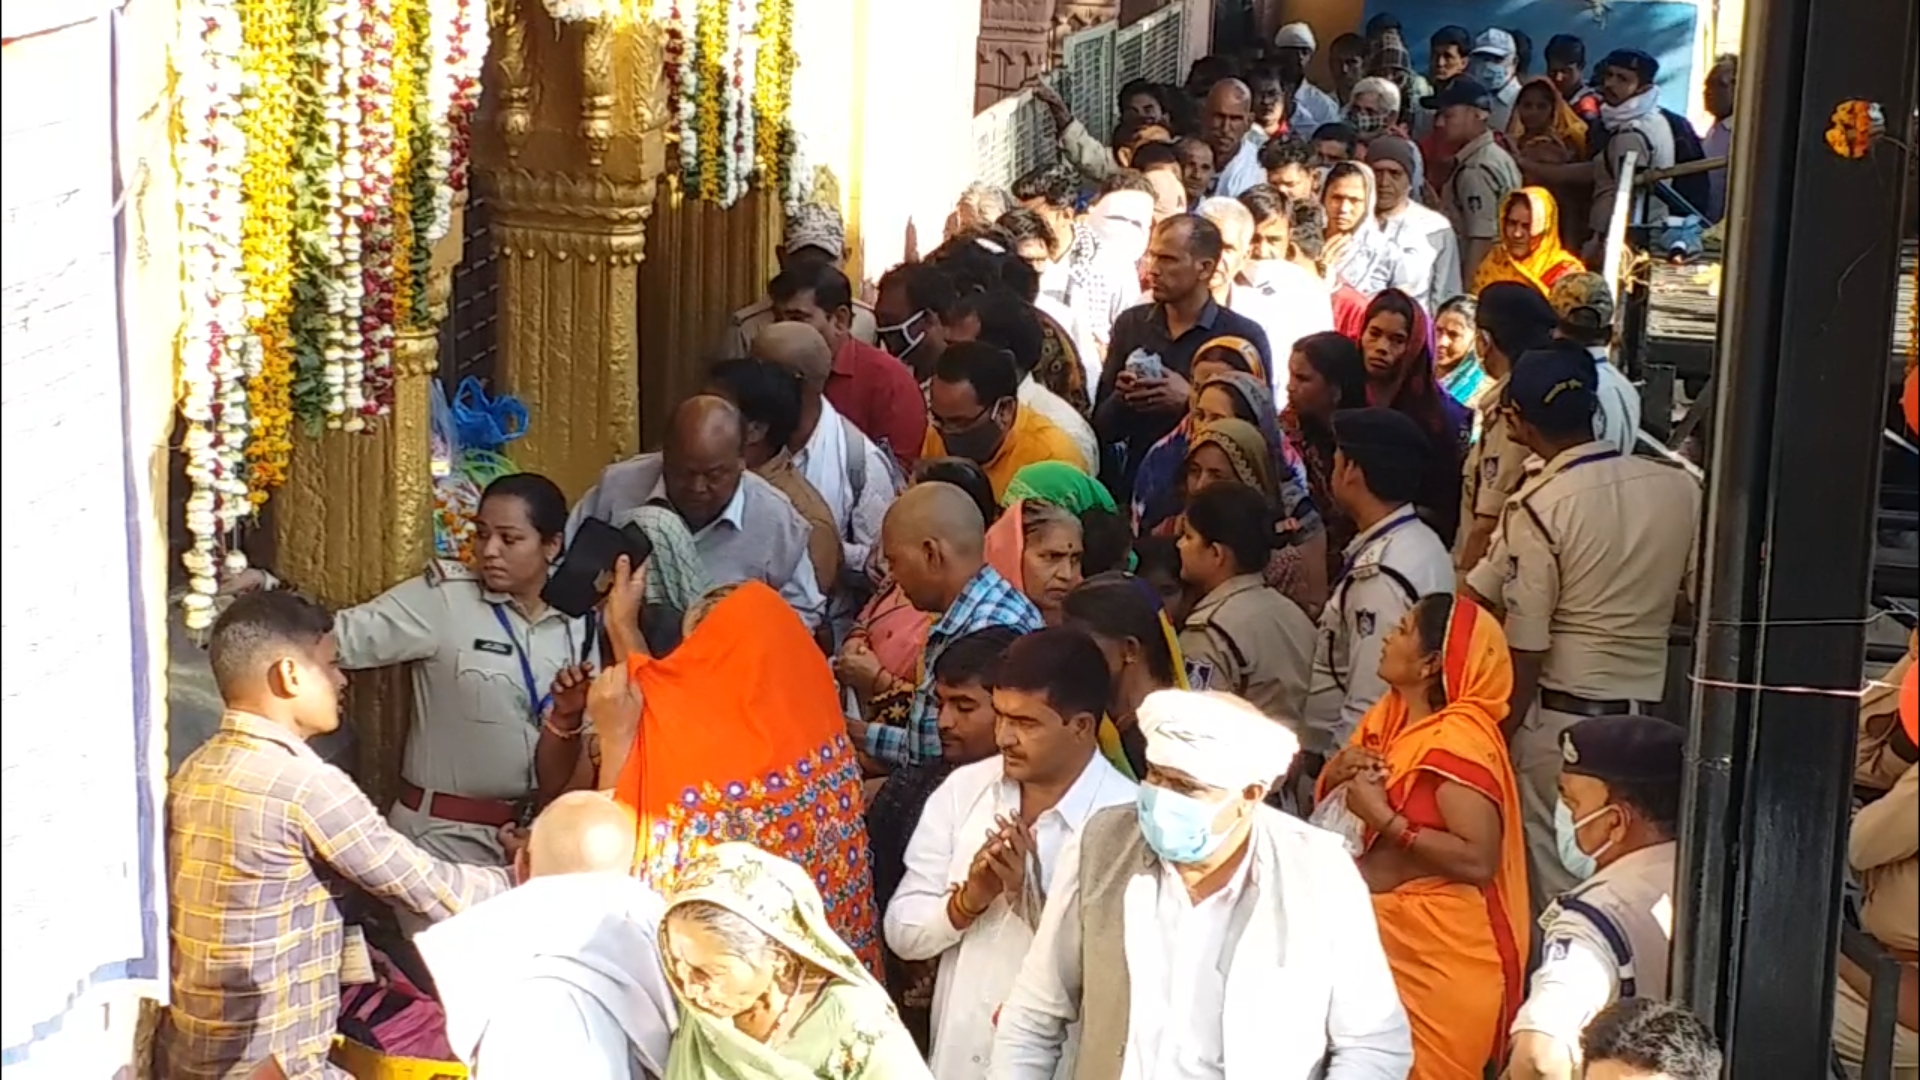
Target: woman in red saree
{"type": "Point", "coordinates": [1430, 799]}
{"type": "Point", "coordinates": [739, 736]}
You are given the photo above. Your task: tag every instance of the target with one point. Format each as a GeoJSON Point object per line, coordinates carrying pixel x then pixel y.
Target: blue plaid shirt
{"type": "Point", "coordinates": [988, 600]}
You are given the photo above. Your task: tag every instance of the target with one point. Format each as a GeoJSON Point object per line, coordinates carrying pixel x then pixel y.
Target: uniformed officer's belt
{"type": "Point", "coordinates": [492, 813]}
{"type": "Point", "coordinates": [1558, 701]}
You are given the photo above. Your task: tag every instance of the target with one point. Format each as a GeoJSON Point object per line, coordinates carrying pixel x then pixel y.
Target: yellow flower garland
{"type": "Point", "coordinates": [710, 60]}
{"type": "Point", "coordinates": [773, 91]}
{"type": "Point", "coordinates": [266, 238]}
{"type": "Point", "coordinates": [406, 85]}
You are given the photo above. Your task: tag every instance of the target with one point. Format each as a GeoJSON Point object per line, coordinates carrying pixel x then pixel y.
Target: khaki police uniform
{"type": "Point", "coordinates": [1247, 639]}
{"type": "Point", "coordinates": [1483, 174]}
{"type": "Point", "coordinates": [1605, 941]}
{"type": "Point", "coordinates": [1389, 567]}
{"type": "Point", "coordinates": [1589, 557]}
{"type": "Point", "coordinates": [1493, 470]}
{"type": "Point", "coordinates": [743, 324]}
{"type": "Point", "coordinates": [481, 671]}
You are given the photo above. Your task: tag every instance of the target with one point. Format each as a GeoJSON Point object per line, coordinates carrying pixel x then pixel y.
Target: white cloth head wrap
{"type": "Point", "coordinates": [1217, 739]}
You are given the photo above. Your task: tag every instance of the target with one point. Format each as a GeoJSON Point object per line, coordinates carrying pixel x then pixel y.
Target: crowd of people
{"type": "Point", "coordinates": [1205, 619]}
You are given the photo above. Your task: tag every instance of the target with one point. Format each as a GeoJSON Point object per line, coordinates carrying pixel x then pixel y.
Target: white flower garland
{"type": "Point", "coordinates": [743, 19]}
{"type": "Point", "coordinates": [347, 192]}
{"type": "Point", "coordinates": [374, 83]}
{"type": "Point", "coordinates": [682, 44]}
{"type": "Point", "coordinates": [216, 351]}
{"type": "Point", "coordinates": [459, 51]}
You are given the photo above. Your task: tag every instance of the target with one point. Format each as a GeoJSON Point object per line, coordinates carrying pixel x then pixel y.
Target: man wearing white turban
{"type": "Point", "coordinates": [1203, 935]}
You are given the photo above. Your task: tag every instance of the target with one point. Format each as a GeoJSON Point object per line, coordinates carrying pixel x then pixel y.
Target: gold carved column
{"type": "Point", "coordinates": [356, 518]}
{"type": "Point", "coordinates": [567, 150]}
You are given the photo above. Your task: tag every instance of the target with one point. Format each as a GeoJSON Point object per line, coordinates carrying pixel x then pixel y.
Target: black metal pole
{"type": "Point", "coordinates": [1808, 297]}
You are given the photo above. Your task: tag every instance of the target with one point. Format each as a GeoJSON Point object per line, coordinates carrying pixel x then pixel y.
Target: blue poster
{"type": "Point", "coordinates": [1663, 29]}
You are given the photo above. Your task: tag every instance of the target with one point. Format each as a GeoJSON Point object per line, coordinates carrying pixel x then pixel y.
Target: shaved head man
{"type": "Point", "coordinates": [703, 458]}
{"type": "Point", "coordinates": [798, 347]}
{"type": "Point", "coordinates": [935, 542]}
{"type": "Point", "coordinates": [581, 832]}
{"type": "Point", "coordinates": [1226, 118]}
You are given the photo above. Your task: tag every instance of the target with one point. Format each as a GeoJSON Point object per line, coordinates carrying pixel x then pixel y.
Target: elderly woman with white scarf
{"type": "Point", "coordinates": [1278, 970]}
{"type": "Point", "coordinates": [1357, 253]}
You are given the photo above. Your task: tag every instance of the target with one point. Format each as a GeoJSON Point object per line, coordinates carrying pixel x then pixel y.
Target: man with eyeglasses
{"type": "Point", "coordinates": [974, 410]}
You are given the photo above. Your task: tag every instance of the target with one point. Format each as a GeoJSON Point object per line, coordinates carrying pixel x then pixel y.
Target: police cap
{"type": "Point", "coordinates": [1555, 386]}
{"type": "Point", "coordinates": [1387, 445]}
{"type": "Point", "coordinates": [1625, 749]}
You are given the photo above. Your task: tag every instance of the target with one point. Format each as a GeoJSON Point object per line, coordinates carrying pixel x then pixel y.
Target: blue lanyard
{"type": "Point", "coordinates": [538, 700]}
{"type": "Point", "coordinates": [1347, 566]}
{"type": "Point", "coordinates": [1588, 459]}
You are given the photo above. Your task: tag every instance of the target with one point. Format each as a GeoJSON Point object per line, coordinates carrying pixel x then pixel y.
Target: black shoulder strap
{"type": "Point", "coordinates": [1406, 587]}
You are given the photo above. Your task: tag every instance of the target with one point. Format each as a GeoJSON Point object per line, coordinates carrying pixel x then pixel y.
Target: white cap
{"type": "Point", "coordinates": [1295, 36]}
{"type": "Point", "coordinates": [1216, 739]}
{"type": "Point", "coordinates": [1494, 42]}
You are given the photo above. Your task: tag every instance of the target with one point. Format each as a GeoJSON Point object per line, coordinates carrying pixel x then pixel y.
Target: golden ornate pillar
{"type": "Point", "coordinates": [356, 518]}
{"type": "Point", "coordinates": [567, 150]}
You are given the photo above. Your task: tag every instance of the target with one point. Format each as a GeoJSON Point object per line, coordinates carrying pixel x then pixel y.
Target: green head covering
{"type": "Point", "coordinates": [1059, 484]}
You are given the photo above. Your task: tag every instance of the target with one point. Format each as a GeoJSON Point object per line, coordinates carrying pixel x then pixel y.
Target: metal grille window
{"type": "Point", "coordinates": [1011, 138]}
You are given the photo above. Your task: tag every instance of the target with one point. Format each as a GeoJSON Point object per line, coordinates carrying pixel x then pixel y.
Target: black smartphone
{"type": "Point", "coordinates": [585, 572]}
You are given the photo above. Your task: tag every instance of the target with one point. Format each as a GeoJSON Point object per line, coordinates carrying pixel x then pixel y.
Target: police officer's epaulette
{"type": "Point", "coordinates": [441, 571]}
{"type": "Point", "coordinates": [1367, 563]}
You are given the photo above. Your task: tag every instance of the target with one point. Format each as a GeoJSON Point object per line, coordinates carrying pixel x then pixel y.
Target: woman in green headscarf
{"type": "Point", "coordinates": [1059, 484]}
{"type": "Point", "coordinates": [766, 989]}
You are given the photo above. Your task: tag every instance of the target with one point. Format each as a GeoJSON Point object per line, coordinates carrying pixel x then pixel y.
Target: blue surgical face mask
{"type": "Point", "coordinates": [1566, 833]}
{"type": "Point", "coordinates": [1488, 71]}
{"type": "Point", "coordinates": [1179, 828]}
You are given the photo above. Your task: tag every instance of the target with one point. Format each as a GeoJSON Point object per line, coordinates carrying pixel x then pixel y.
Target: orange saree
{"type": "Point", "coordinates": [1458, 951]}
{"type": "Point", "coordinates": [741, 738]}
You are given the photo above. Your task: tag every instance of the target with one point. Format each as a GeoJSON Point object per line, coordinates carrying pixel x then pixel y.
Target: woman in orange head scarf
{"type": "Point", "coordinates": [1529, 250]}
{"type": "Point", "coordinates": [1426, 792]}
{"type": "Point", "coordinates": [738, 735]}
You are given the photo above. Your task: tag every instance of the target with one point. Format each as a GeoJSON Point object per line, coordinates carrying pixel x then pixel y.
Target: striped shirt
{"type": "Point", "coordinates": [256, 825]}
{"type": "Point", "coordinates": [987, 600]}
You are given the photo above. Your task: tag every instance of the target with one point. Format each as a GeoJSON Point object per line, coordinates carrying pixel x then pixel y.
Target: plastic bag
{"type": "Point", "coordinates": [1332, 815]}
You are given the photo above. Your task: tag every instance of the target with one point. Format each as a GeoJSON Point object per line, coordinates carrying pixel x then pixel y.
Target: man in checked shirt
{"type": "Point", "coordinates": [252, 818]}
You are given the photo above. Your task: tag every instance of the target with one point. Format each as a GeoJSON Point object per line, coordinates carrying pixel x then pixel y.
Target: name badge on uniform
{"type": "Point", "coordinates": [1200, 674]}
{"type": "Point", "coordinates": [497, 648]}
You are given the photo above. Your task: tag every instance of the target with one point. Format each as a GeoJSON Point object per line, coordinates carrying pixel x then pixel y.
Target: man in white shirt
{"type": "Point", "coordinates": [1583, 304]}
{"type": "Point", "coordinates": [561, 976]}
{"type": "Point", "coordinates": [1429, 250]}
{"type": "Point", "coordinates": [1284, 324]}
{"type": "Point", "coordinates": [1718, 141]}
{"type": "Point", "coordinates": [1226, 120]}
{"type": "Point", "coordinates": [1202, 934]}
{"type": "Point", "coordinates": [854, 476]}
{"type": "Point", "coordinates": [743, 527]}
{"type": "Point", "coordinates": [1312, 106]}
{"type": "Point", "coordinates": [989, 840]}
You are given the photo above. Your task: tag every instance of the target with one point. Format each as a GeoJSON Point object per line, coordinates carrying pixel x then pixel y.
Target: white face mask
{"type": "Point", "coordinates": [1490, 72]}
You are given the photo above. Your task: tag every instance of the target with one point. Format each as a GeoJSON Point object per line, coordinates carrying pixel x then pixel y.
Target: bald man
{"type": "Point", "coordinates": [561, 976]}
{"type": "Point", "coordinates": [854, 477]}
{"type": "Point", "coordinates": [1226, 122]}
{"type": "Point", "coordinates": [934, 541]}
{"type": "Point", "coordinates": [743, 527]}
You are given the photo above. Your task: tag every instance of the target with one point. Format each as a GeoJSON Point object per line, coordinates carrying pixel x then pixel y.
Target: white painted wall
{"type": "Point", "coordinates": [82, 607]}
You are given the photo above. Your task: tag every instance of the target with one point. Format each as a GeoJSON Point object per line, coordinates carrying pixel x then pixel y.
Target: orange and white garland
{"type": "Point", "coordinates": [296, 286]}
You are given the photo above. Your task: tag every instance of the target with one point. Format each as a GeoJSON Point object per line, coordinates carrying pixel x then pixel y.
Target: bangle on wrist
{"type": "Point", "coordinates": [579, 725]}
{"type": "Point", "coordinates": [1408, 833]}
{"type": "Point", "coordinates": [960, 907]}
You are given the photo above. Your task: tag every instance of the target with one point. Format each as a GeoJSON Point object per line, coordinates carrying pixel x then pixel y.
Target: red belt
{"type": "Point", "coordinates": [492, 813]}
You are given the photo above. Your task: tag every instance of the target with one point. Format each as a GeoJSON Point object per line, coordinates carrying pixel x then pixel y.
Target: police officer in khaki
{"type": "Point", "coordinates": [1242, 637]}
{"type": "Point", "coordinates": [1512, 319]}
{"type": "Point", "coordinates": [1586, 566]}
{"type": "Point", "coordinates": [1393, 561]}
{"type": "Point", "coordinates": [1607, 939]}
{"type": "Point", "coordinates": [485, 651]}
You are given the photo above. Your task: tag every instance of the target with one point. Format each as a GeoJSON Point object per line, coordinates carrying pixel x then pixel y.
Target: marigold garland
{"type": "Point", "coordinates": [266, 237]}
{"type": "Point", "coordinates": [773, 93]}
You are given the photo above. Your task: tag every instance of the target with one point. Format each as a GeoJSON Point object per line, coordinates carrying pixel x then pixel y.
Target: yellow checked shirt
{"type": "Point", "coordinates": [256, 932]}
